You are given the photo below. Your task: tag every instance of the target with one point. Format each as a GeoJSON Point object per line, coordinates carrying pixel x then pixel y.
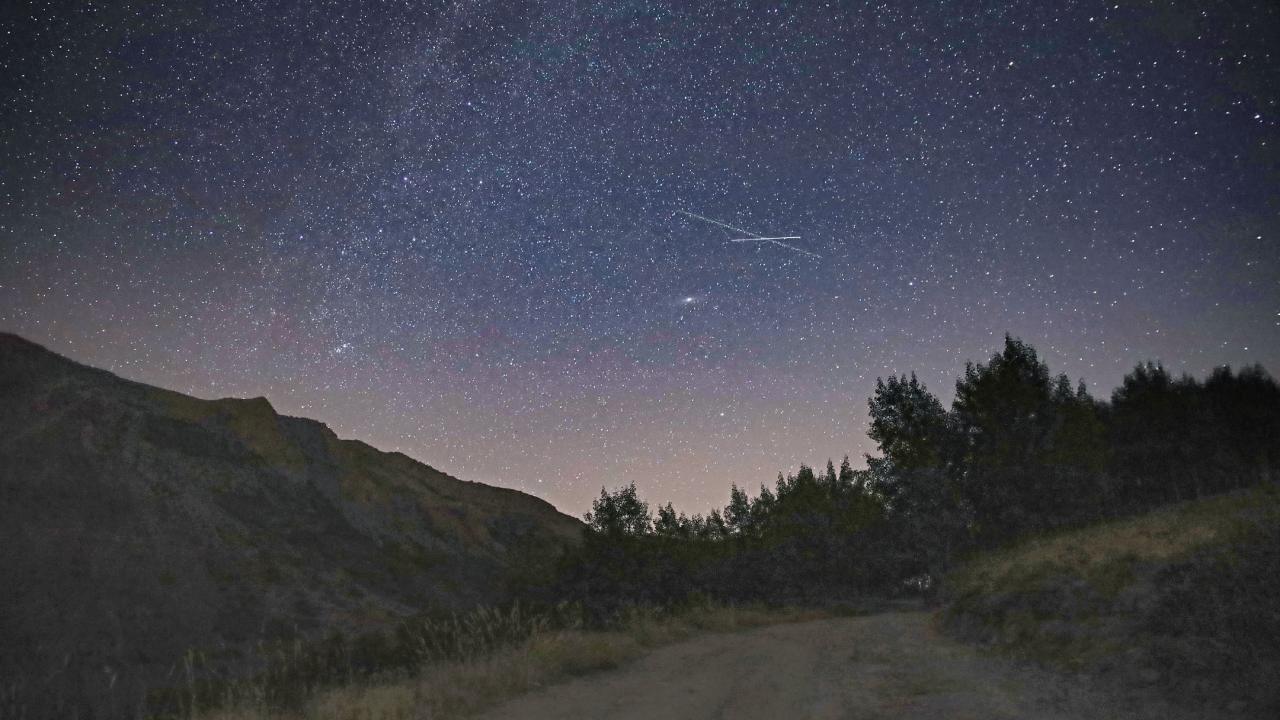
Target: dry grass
{"type": "Point", "coordinates": [1180, 600]}
{"type": "Point", "coordinates": [1101, 552]}
{"type": "Point", "coordinates": [459, 688]}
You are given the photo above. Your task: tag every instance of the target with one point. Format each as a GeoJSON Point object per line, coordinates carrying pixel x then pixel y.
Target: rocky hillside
{"type": "Point", "coordinates": [137, 523]}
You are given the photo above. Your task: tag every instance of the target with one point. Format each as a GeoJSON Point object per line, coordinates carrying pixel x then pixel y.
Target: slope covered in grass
{"type": "Point", "coordinates": [1182, 599]}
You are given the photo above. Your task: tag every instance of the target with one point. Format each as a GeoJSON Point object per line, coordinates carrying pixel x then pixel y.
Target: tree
{"type": "Point", "coordinates": [1004, 414]}
{"type": "Point", "coordinates": [907, 422]}
{"type": "Point", "coordinates": [830, 481]}
{"type": "Point", "coordinates": [910, 428]}
{"type": "Point", "coordinates": [846, 480]}
{"type": "Point", "coordinates": [1019, 451]}
{"type": "Point", "coordinates": [620, 513]}
{"type": "Point", "coordinates": [1076, 457]}
{"type": "Point", "coordinates": [1003, 407]}
{"type": "Point", "coordinates": [737, 514]}
{"type": "Point", "coordinates": [1246, 407]}
{"type": "Point", "coordinates": [805, 481]}
{"type": "Point", "coordinates": [668, 524]}
{"type": "Point", "coordinates": [762, 509]}
{"type": "Point", "coordinates": [714, 528]}
{"type": "Point", "coordinates": [1148, 420]}
{"type": "Point", "coordinates": [696, 527]}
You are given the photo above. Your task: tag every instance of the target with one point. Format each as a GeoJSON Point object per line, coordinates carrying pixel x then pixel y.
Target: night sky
{"type": "Point", "coordinates": [452, 229]}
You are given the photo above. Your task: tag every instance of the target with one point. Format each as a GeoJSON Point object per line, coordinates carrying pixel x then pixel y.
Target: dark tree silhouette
{"type": "Point", "coordinates": [1020, 451]}
{"type": "Point", "coordinates": [619, 513]}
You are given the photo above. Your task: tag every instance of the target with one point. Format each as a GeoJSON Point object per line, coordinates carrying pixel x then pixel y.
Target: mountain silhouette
{"type": "Point", "coordinates": [138, 523]}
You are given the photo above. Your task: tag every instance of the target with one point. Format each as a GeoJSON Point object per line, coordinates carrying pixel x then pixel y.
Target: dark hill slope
{"type": "Point", "coordinates": [136, 523]}
{"type": "Point", "coordinates": [1181, 600]}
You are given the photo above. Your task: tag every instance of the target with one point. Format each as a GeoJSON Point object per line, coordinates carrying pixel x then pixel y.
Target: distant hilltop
{"type": "Point", "coordinates": [138, 523]}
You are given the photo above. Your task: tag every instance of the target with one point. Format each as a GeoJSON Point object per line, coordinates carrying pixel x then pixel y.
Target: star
{"type": "Point", "coordinates": [537, 264]}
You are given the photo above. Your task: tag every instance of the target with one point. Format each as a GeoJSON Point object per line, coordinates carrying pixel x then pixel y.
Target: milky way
{"type": "Point", "coordinates": [452, 229]}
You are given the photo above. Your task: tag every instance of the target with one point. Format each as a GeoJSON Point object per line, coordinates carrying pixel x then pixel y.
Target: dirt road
{"type": "Point", "coordinates": [891, 665]}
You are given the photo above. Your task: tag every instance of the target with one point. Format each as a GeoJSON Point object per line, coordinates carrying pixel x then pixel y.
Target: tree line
{"type": "Point", "coordinates": [1020, 451]}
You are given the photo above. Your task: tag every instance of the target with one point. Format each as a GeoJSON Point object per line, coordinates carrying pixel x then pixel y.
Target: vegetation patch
{"type": "Point", "coordinates": [1179, 595]}
{"type": "Point", "coordinates": [452, 666]}
{"type": "Point", "coordinates": [1181, 598]}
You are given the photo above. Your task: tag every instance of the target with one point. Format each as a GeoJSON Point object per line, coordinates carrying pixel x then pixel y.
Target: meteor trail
{"type": "Point", "coordinates": [778, 241]}
{"type": "Point", "coordinates": [755, 237]}
{"type": "Point", "coordinates": [717, 222]}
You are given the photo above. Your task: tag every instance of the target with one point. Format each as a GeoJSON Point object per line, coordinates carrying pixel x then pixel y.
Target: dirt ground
{"type": "Point", "coordinates": [890, 665]}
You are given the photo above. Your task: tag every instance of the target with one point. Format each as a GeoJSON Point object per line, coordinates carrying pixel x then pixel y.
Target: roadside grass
{"type": "Point", "coordinates": [1107, 559]}
{"type": "Point", "coordinates": [495, 665]}
{"type": "Point", "coordinates": [1105, 554]}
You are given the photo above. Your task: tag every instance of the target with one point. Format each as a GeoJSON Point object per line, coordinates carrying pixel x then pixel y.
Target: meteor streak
{"type": "Point", "coordinates": [778, 241]}
{"type": "Point", "coordinates": [755, 237]}
{"type": "Point", "coordinates": [717, 222]}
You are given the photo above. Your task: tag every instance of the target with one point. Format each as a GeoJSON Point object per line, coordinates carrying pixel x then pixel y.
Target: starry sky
{"type": "Point", "coordinates": [454, 229]}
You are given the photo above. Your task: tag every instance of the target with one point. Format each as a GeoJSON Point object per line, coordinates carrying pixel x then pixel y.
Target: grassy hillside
{"type": "Point", "coordinates": [1182, 600]}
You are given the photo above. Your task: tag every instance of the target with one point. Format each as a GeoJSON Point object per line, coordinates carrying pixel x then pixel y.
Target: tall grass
{"type": "Point", "coordinates": [282, 677]}
{"type": "Point", "coordinates": [466, 663]}
{"type": "Point", "coordinates": [439, 666]}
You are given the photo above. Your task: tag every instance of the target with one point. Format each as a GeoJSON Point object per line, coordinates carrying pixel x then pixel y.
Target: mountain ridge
{"type": "Point", "coordinates": [138, 522]}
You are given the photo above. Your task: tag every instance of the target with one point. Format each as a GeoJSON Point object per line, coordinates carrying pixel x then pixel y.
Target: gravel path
{"type": "Point", "coordinates": [891, 665]}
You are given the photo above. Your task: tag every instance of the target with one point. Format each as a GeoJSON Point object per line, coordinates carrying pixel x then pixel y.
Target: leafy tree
{"type": "Point", "coordinates": [1004, 407]}
{"type": "Point", "coordinates": [697, 526]}
{"type": "Point", "coordinates": [912, 476]}
{"type": "Point", "coordinates": [668, 524]}
{"type": "Point", "coordinates": [1246, 410]}
{"type": "Point", "coordinates": [907, 422]}
{"type": "Point", "coordinates": [762, 509]}
{"type": "Point", "coordinates": [715, 527]}
{"type": "Point", "coordinates": [621, 512]}
{"type": "Point", "coordinates": [910, 428]}
{"type": "Point", "coordinates": [1074, 458]}
{"type": "Point", "coordinates": [737, 515]}
{"type": "Point", "coordinates": [805, 481]}
{"type": "Point", "coordinates": [1149, 417]}
{"type": "Point", "coordinates": [1004, 415]}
